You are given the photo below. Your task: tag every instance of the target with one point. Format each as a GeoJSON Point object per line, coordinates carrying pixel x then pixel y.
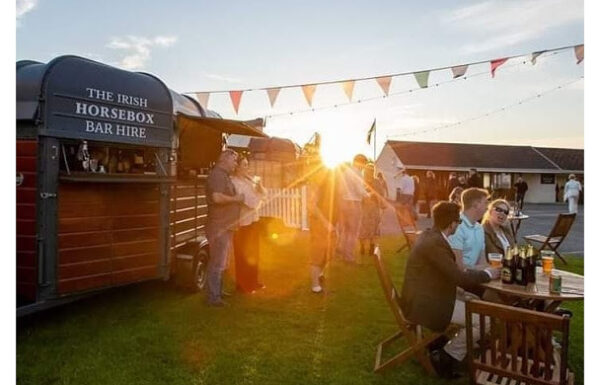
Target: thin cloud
{"type": "Point", "coordinates": [23, 7]}
{"type": "Point", "coordinates": [138, 49]}
{"type": "Point", "coordinates": [504, 23]}
{"type": "Point", "coordinates": [223, 78]}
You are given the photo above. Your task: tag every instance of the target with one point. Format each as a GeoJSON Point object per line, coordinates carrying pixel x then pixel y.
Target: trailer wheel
{"type": "Point", "coordinates": [200, 270]}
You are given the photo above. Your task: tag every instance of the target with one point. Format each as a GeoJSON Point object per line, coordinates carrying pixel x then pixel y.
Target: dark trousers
{"type": "Point", "coordinates": [246, 249]}
{"type": "Point", "coordinates": [520, 200]}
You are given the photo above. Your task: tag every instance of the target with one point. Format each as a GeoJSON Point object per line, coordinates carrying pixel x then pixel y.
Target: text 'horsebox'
{"type": "Point", "coordinates": [111, 170]}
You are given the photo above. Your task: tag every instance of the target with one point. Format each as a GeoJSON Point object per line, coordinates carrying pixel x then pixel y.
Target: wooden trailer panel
{"type": "Point", "coordinates": [108, 234]}
{"type": "Point", "coordinates": [188, 210]}
{"type": "Point", "coordinates": [26, 220]}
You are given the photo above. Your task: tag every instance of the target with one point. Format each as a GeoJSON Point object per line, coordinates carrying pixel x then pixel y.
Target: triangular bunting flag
{"type": "Point", "coordinates": [236, 98]}
{"type": "Point", "coordinates": [384, 83]}
{"type": "Point", "coordinates": [273, 93]}
{"type": "Point", "coordinates": [497, 63]}
{"type": "Point", "coordinates": [422, 78]}
{"type": "Point", "coordinates": [535, 55]}
{"type": "Point", "coordinates": [348, 88]}
{"type": "Point", "coordinates": [309, 91]}
{"type": "Point", "coordinates": [202, 98]}
{"type": "Point", "coordinates": [459, 71]}
{"type": "Point", "coordinates": [579, 53]}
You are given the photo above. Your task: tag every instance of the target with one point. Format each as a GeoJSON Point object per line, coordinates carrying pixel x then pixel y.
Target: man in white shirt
{"type": "Point", "coordinates": [352, 193]}
{"type": "Point", "coordinates": [405, 190]}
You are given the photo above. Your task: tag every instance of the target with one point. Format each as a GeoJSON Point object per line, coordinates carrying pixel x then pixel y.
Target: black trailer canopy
{"type": "Point", "coordinates": [73, 97]}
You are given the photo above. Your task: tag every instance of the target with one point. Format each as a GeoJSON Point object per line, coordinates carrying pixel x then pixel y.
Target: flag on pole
{"type": "Point", "coordinates": [371, 130]}
{"type": "Point", "coordinates": [309, 91]}
{"type": "Point", "coordinates": [579, 53]}
{"type": "Point", "coordinates": [236, 98]}
{"type": "Point", "coordinates": [497, 63]}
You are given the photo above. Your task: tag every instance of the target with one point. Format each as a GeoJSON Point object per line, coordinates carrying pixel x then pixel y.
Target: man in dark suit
{"type": "Point", "coordinates": [429, 291]}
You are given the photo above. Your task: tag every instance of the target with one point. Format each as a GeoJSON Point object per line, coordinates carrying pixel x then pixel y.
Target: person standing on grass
{"type": "Point", "coordinates": [572, 190]}
{"type": "Point", "coordinates": [223, 216]}
{"type": "Point", "coordinates": [352, 193]}
{"type": "Point", "coordinates": [371, 211]}
{"type": "Point", "coordinates": [246, 240]}
{"type": "Point", "coordinates": [430, 285]}
{"type": "Point", "coordinates": [322, 218]}
{"type": "Point", "coordinates": [382, 182]}
{"type": "Point", "coordinates": [521, 187]}
{"type": "Point", "coordinates": [405, 191]}
{"type": "Point", "coordinates": [429, 190]}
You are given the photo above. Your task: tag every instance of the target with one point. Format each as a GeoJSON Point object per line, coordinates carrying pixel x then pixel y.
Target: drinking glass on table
{"type": "Point", "coordinates": [495, 259]}
{"type": "Point", "coordinates": [547, 261]}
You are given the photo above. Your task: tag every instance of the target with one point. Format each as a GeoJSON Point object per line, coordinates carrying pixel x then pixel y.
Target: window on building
{"type": "Point", "coordinates": [501, 180]}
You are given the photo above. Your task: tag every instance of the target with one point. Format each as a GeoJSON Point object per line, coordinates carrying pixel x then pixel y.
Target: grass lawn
{"type": "Point", "coordinates": [154, 334]}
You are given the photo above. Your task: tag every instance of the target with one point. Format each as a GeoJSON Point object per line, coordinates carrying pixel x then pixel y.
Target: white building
{"type": "Point", "coordinates": [544, 169]}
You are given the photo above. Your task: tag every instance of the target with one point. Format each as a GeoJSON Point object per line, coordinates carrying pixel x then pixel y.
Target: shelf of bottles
{"type": "Point", "coordinates": [85, 161]}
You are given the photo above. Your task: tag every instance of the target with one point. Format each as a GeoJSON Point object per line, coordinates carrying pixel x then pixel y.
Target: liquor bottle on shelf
{"type": "Point", "coordinates": [508, 268]}
{"type": "Point", "coordinates": [521, 268]}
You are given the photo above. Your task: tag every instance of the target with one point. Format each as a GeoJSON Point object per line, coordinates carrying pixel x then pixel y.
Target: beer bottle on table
{"type": "Point", "coordinates": [531, 263]}
{"type": "Point", "coordinates": [508, 267]}
{"type": "Point", "coordinates": [521, 268]}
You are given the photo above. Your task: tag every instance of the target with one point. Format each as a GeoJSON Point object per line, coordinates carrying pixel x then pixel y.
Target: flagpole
{"type": "Point", "coordinates": [374, 143]}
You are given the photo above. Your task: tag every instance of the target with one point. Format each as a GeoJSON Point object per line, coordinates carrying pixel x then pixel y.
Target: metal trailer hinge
{"type": "Point", "coordinates": [46, 195]}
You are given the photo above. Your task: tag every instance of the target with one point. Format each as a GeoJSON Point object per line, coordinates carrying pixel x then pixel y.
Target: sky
{"type": "Point", "coordinates": [211, 46]}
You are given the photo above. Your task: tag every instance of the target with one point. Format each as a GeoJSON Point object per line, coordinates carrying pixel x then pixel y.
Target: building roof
{"type": "Point", "coordinates": [565, 158]}
{"type": "Point", "coordinates": [486, 157]}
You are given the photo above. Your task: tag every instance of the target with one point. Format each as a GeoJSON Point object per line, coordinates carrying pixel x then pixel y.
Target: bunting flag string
{"type": "Point", "coordinates": [384, 82]}
{"type": "Point", "coordinates": [535, 55]}
{"type": "Point", "coordinates": [202, 98]}
{"type": "Point", "coordinates": [348, 88]}
{"type": "Point", "coordinates": [492, 112]}
{"type": "Point", "coordinates": [309, 91]}
{"type": "Point", "coordinates": [236, 98]}
{"type": "Point", "coordinates": [497, 63]}
{"type": "Point", "coordinates": [273, 93]}
{"type": "Point", "coordinates": [403, 92]}
{"type": "Point", "coordinates": [459, 71]}
{"type": "Point", "coordinates": [422, 78]}
{"type": "Point", "coordinates": [579, 53]}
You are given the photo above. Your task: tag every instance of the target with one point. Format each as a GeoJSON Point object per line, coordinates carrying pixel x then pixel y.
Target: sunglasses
{"type": "Point", "coordinates": [501, 210]}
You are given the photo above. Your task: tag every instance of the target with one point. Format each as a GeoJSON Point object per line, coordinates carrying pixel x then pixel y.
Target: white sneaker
{"type": "Point", "coordinates": [317, 289]}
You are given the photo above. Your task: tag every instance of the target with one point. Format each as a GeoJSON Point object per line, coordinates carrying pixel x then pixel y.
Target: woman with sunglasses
{"type": "Point", "coordinates": [498, 236]}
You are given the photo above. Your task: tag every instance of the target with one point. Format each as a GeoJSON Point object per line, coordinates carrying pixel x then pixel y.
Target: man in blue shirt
{"type": "Point", "coordinates": [468, 242]}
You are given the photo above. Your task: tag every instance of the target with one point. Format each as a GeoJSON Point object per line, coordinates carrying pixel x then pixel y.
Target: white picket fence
{"type": "Point", "coordinates": [289, 204]}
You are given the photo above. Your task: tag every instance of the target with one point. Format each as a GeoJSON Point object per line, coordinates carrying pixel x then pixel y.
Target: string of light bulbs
{"type": "Point", "coordinates": [485, 115]}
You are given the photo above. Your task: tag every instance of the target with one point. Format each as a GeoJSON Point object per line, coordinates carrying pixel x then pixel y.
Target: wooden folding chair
{"type": "Point", "coordinates": [413, 334]}
{"type": "Point", "coordinates": [519, 349]}
{"type": "Point", "coordinates": [556, 237]}
{"type": "Point", "coordinates": [408, 226]}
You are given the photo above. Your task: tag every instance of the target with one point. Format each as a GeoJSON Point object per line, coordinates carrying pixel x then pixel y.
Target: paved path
{"type": "Point", "coordinates": [542, 218]}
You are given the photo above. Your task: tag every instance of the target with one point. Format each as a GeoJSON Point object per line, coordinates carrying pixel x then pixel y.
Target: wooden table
{"type": "Point", "coordinates": [537, 295]}
{"type": "Point", "coordinates": [515, 222]}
